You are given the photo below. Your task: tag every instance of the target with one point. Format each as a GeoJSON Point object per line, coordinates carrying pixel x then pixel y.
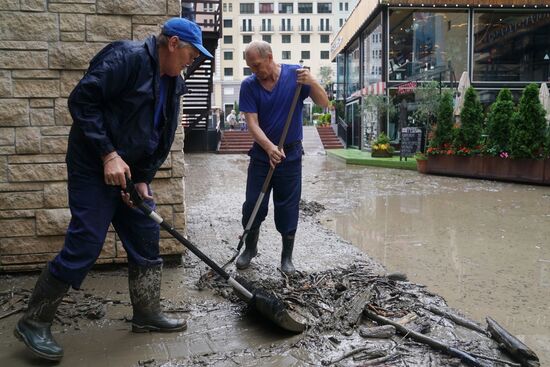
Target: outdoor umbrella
{"type": "Point", "coordinates": [544, 96]}
{"type": "Point", "coordinates": [463, 84]}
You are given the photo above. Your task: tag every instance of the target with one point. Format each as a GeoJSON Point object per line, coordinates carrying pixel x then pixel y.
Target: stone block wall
{"type": "Point", "coordinates": [45, 48]}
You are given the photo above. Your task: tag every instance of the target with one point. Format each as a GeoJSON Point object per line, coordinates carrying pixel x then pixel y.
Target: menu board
{"type": "Point", "coordinates": [411, 140]}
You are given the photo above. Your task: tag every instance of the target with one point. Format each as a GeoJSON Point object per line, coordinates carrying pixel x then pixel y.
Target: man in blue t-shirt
{"type": "Point", "coordinates": [266, 98]}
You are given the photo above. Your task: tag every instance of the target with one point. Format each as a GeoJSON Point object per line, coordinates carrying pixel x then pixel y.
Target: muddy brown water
{"type": "Point", "coordinates": [484, 246]}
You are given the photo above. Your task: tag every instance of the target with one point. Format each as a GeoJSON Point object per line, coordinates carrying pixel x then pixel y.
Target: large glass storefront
{"type": "Point", "coordinates": [372, 75]}
{"type": "Point", "coordinates": [427, 44]}
{"type": "Point", "coordinates": [511, 46]}
{"type": "Point", "coordinates": [353, 62]}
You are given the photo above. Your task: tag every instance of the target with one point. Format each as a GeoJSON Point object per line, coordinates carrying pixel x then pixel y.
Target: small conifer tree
{"type": "Point", "coordinates": [471, 119]}
{"type": "Point", "coordinates": [499, 122]}
{"type": "Point", "coordinates": [443, 133]}
{"type": "Point", "coordinates": [528, 125]}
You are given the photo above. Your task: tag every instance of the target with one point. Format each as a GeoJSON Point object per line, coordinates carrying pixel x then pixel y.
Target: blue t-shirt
{"type": "Point", "coordinates": [273, 107]}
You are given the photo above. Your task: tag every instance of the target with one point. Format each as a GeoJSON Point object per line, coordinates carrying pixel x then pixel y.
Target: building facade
{"type": "Point", "coordinates": [45, 48]}
{"type": "Point", "coordinates": [296, 30]}
{"type": "Point", "coordinates": [496, 44]}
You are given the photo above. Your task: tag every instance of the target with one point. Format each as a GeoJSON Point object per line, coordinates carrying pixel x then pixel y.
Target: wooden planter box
{"type": "Point", "coordinates": [422, 165]}
{"type": "Point", "coordinates": [492, 168]}
{"type": "Point", "coordinates": [381, 154]}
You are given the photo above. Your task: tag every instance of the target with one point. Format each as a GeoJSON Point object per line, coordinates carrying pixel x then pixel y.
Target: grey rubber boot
{"type": "Point", "coordinates": [251, 249]}
{"type": "Point", "coordinates": [286, 254]}
{"type": "Point", "coordinates": [144, 284]}
{"type": "Point", "coordinates": [34, 327]}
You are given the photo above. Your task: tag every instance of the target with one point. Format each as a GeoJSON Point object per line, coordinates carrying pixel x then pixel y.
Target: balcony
{"type": "Point", "coordinates": [284, 29]}
{"type": "Point", "coordinates": [306, 29]}
{"type": "Point", "coordinates": [325, 29]}
{"type": "Point", "coordinates": [267, 29]}
{"type": "Point", "coordinates": [247, 30]}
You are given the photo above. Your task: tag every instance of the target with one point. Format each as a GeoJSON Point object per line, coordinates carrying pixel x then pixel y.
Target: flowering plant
{"type": "Point", "coordinates": [445, 149]}
{"type": "Point", "coordinates": [382, 143]}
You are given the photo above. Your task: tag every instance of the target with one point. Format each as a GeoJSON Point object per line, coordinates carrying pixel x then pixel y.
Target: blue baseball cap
{"type": "Point", "coordinates": [186, 31]}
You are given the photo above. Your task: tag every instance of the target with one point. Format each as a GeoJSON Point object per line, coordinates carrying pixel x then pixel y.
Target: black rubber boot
{"type": "Point", "coordinates": [250, 250]}
{"type": "Point", "coordinates": [144, 284]}
{"type": "Point", "coordinates": [286, 255]}
{"type": "Point", "coordinates": [34, 327]}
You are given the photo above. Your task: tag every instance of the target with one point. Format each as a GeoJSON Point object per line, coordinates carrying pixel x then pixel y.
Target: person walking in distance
{"type": "Point", "coordinates": [125, 114]}
{"type": "Point", "coordinates": [266, 98]}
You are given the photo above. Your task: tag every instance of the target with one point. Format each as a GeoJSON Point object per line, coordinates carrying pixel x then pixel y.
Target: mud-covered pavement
{"type": "Point", "coordinates": [442, 232]}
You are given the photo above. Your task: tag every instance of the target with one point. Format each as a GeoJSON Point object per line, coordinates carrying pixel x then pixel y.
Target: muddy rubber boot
{"type": "Point", "coordinates": [250, 250]}
{"type": "Point", "coordinates": [286, 254]}
{"type": "Point", "coordinates": [33, 328]}
{"type": "Point", "coordinates": [144, 284]}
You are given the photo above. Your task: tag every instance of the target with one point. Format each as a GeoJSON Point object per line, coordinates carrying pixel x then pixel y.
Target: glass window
{"type": "Point", "coordinates": [228, 55]}
{"type": "Point", "coordinates": [511, 46]}
{"type": "Point", "coordinates": [266, 38]}
{"type": "Point", "coordinates": [425, 45]}
{"type": "Point", "coordinates": [341, 6]}
{"type": "Point", "coordinates": [286, 55]}
{"type": "Point", "coordinates": [286, 38]}
{"type": "Point", "coordinates": [325, 38]}
{"type": "Point", "coordinates": [305, 8]}
{"type": "Point", "coordinates": [247, 8]}
{"type": "Point", "coordinates": [230, 6]}
{"type": "Point", "coordinates": [228, 23]}
{"type": "Point", "coordinates": [247, 71]}
{"type": "Point", "coordinates": [305, 38]}
{"type": "Point", "coordinates": [352, 68]}
{"type": "Point", "coordinates": [324, 8]}
{"type": "Point", "coordinates": [247, 38]}
{"type": "Point", "coordinates": [224, 7]}
{"type": "Point", "coordinates": [325, 55]}
{"type": "Point", "coordinates": [305, 55]}
{"type": "Point", "coordinates": [346, 6]}
{"type": "Point", "coordinates": [228, 39]}
{"type": "Point", "coordinates": [228, 71]}
{"type": "Point", "coordinates": [266, 8]}
{"type": "Point", "coordinates": [341, 22]}
{"type": "Point", "coordinates": [285, 8]}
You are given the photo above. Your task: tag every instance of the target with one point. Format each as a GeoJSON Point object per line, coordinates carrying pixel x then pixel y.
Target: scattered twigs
{"type": "Point", "coordinates": [513, 364]}
{"type": "Point", "coordinates": [458, 320]}
{"type": "Point", "coordinates": [345, 355]}
{"type": "Point", "coordinates": [519, 351]}
{"type": "Point", "coordinates": [7, 314]}
{"type": "Point", "coordinates": [436, 344]}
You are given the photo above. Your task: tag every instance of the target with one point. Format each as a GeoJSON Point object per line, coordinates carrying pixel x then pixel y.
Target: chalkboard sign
{"type": "Point", "coordinates": [411, 140]}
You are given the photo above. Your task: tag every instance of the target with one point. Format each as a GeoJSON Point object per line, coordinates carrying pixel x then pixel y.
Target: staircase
{"type": "Point", "coordinates": [196, 104]}
{"type": "Point", "coordinates": [235, 142]}
{"type": "Point", "coordinates": [329, 138]}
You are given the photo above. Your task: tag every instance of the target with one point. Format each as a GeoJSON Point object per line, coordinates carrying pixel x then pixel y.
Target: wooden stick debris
{"type": "Point", "coordinates": [436, 344]}
{"type": "Point", "coordinates": [458, 320]}
{"type": "Point", "coordinates": [519, 351]}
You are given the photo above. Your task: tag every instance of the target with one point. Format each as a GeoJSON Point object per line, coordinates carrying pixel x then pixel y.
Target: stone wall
{"type": "Point", "coordinates": [45, 47]}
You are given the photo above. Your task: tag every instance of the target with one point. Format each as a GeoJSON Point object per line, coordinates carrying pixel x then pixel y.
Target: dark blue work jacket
{"type": "Point", "coordinates": [113, 108]}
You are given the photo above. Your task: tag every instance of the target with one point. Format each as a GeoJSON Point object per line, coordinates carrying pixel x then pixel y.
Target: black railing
{"type": "Point", "coordinates": [343, 130]}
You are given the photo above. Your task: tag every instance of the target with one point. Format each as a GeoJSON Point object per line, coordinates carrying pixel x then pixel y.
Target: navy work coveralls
{"type": "Point", "coordinates": [272, 108]}
{"type": "Point", "coordinates": [113, 108]}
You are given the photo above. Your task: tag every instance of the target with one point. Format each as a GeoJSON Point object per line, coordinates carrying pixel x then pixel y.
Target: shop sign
{"type": "Point", "coordinates": [406, 88]}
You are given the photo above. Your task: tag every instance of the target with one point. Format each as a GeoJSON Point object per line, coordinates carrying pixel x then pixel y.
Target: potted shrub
{"type": "Point", "coordinates": [381, 147]}
{"type": "Point", "coordinates": [467, 137]}
{"type": "Point", "coordinates": [499, 122]}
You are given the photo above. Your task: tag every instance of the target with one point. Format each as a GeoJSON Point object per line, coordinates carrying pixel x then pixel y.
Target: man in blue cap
{"type": "Point", "coordinates": [125, 114]}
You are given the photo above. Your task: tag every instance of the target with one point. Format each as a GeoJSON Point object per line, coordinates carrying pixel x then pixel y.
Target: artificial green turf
{"type": "Point", "coordinates": [355, 156]}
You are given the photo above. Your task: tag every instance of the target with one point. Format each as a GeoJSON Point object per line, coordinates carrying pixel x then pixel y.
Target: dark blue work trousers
{"type": "Point", "coordinates": [286, 185]}
{"type": "Point", "coordinates": [94, 205]}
